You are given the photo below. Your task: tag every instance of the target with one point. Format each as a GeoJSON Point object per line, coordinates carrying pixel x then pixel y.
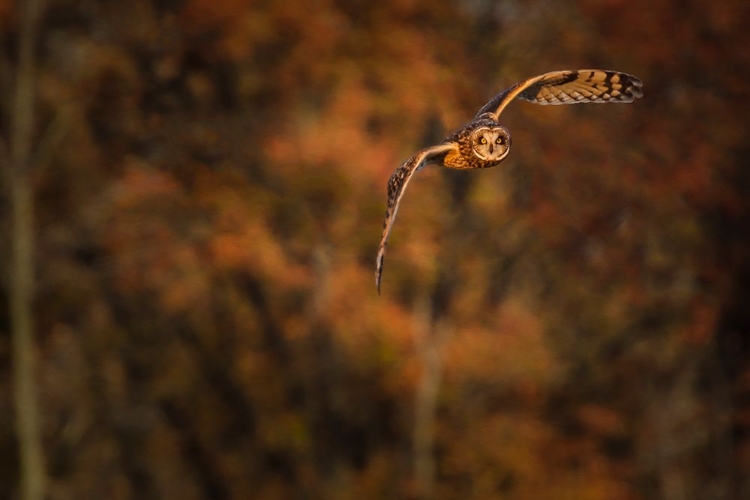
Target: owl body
{"type": "Point", "coordinates": [484, 143]}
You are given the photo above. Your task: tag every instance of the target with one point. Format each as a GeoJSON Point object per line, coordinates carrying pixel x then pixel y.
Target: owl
{"type": "Point", "coordinates": [484, 143]}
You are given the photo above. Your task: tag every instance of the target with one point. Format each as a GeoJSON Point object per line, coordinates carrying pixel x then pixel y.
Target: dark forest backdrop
{"type": "Point", "coordinates": [208, 190]}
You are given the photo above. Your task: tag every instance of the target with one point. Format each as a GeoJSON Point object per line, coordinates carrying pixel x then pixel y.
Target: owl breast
{"type": "Point", "coordinates": [482, 144]}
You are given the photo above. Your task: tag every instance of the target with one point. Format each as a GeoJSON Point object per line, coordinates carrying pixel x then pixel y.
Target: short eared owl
{"type": "Point", "coordinates": [484, 143]}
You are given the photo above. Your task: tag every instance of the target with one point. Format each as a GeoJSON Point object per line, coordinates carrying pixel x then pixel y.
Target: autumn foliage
{"type": "Point", "coordinates": [207, 323]}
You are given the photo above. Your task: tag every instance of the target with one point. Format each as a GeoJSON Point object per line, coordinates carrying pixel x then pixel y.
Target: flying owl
{"type": "Point", "coordinates": [484, 143]}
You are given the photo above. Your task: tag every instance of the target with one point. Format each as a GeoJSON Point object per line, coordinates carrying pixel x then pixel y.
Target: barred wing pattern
{"type": "Point", "coordinates": [396, 186]}
{"type": "Point", "coordinates": [472, 146]}
{"type": "Point", "coordinates": [569, 87]}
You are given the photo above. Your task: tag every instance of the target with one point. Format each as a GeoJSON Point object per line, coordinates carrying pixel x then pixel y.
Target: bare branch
{"type": "Point", "coordinates": [22, 261]}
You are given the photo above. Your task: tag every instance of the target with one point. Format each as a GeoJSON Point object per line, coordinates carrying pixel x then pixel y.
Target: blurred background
{"type": "Point", "coordinates": [208, 183]}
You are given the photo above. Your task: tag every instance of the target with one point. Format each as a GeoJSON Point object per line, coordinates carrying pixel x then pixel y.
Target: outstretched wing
{"type": "Point", "coordinates": [569, 87]}
{"type": "Point", "coordinates": [396, 186]}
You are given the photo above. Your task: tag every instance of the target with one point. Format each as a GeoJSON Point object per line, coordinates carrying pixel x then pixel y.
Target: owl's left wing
{"type": "Point", "coordinates": [396, 187]}
{"type": "Point", "coordinates": [569, 87]}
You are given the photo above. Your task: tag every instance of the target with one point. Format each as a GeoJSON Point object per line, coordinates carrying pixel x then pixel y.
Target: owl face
{"type": "Point", "coordinates": [490, 143]}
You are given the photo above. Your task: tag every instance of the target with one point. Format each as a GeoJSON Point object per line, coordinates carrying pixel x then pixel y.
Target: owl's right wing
{"type": "Point", "coordinates": [569, 87]}
{"type": "Point", "coordinates": [396, 187]}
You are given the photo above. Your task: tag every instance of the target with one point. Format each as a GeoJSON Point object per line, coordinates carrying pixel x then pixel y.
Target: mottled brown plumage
{"type": "Point", "coordinates": [484, 143]}
{"type": "Point", "coordinates": [464, 157]}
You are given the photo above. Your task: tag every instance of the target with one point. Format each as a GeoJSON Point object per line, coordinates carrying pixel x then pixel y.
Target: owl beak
{"type": "Point", "coordinates": [492, 148]}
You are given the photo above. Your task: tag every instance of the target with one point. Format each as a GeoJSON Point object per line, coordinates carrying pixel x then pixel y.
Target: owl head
{"type": "Point", "coordinates": [490, 143]}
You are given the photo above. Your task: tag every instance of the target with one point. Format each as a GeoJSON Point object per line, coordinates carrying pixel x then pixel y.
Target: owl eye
{"type": "Point", "coordinates": [483, 140]}
{"type": "Point", "coordinates": [499, 141]}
